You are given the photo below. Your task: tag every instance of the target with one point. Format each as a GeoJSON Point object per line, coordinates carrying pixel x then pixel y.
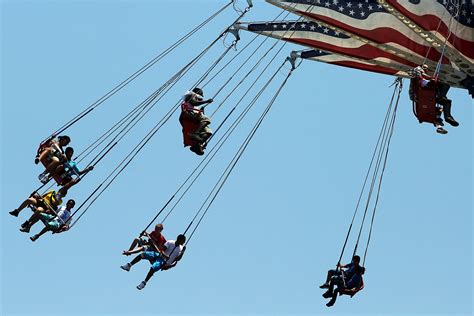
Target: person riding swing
{"type": "Point", "coordinates": [195, 124]}
{"type": "Point", "coordinates": [347, 278]}
{"type": "Point", "coordinates": [51, 154]}
{"type": "Point", "coordinates": [55, 222]}
{"type": "Point", "coordinates": [349, 286]}
{"type": "Point", "coordinates": [429, 97]}
{"type": "Point", "coordinates": [66, 171]}
{"type": "Point", "coordinates": [173, 251]}
{"type": "Point", "coordinates": [152, 239]}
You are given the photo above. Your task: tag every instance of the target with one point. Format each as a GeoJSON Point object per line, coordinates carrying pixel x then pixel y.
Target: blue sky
{"type": "Point", "coordinates": [279, 222]}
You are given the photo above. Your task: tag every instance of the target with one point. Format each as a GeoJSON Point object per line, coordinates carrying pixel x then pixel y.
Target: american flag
{"type": "Point", "coordinates": [451, 20]}
{"type": "Point", "coordinates": [345, 61]}
{"type": "Point", "coordinates": [322, 37]}
{"type": "Point", "coordinates": [376, 23]}
{"type": "Point", "coordinates": [366, 19]}
{"type": "Point", "coordinates": [319, 36]}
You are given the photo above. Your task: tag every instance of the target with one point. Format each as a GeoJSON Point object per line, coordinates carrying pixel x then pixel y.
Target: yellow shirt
{"type": "Point", "coordinates": [52, 199]}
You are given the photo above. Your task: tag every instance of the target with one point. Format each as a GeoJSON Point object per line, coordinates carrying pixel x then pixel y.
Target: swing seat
{"type": "Point", "coordinates": [424, 100]}
{"type": "Point", "coordinates": [353, 291]}
{"type": "Point", "coordinates": [189, 126]}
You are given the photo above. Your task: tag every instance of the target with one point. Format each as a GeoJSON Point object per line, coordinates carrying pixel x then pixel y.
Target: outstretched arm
{"type": "Point", "coordinates": [90, 168]}
{"type": "Point", "coordinates": [198, 103]}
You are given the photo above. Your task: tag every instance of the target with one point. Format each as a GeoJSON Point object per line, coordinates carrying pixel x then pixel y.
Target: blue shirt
{"type": "Point", "coordinates": [71, 167]}
{"type": "Point", "coordinates": [349, 272]}
{"type": "Point", "coordinates": [354, 282]}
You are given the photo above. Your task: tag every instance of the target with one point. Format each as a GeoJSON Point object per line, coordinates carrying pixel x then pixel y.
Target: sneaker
{"type": "Point", "coordinates": [327, 294]}
{"type": "Point", "coordinates": [25, 228]}
{"type": "Point", "coordinates": [126, 267]}
{"type": "Point", "coordinates": [141, 285]}
{"type": "Point", "coordinates": [451, 121]}
{"type": "Point", "coordinates": [197, 149]}
{"type": "Point", "coordinates": [15, 213]}
{"type": "Point", "coordinates": [37, 161]}
{"type": "Point", "coordinates": [33, 238]}
{"type": "Point", "coordinates": [330, 303]}
{"type": "Point", "coordinates": [324, 286]}
{"type": "Point", "coordinates": [441, 130]}
{"type": "Point", "coordinates": [43, 178]}
{"type": "Point", "coordinates": [200, 152]}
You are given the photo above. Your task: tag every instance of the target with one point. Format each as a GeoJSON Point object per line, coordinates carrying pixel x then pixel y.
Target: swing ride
{"type": "Point", "coordinates": [388, 37]}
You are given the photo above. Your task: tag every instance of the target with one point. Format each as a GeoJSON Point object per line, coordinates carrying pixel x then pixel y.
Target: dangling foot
{"type": "Point", "coordinates": [43, 177]}
{"type": "Point", "coordinates": [37, 161]}
{"type": "Point", "coordinates": [324, 286]}
{"type": "Point", "coordinates": [25, 227]}
{"type": "Point", "coordinates": [330, 303]}
{"type": "Point", "coordinates": [15, 212]}
{"type": "Point", "coordinates": [451, 121]}
{"type": "Point", "coordinates": [33, 238]}
{"type": "Point", "coordinates": [197, 149]}
{"type": "Point", "coordinates": [126, 267]}
{"type": "Point", "coordinates": [327, 294]}
{"type": "Point", "coordinates": [441, 130]}
{"type": "Point", "coordinates": [200, 151]}
{"type": "Point", "coordinates": [141, 285]}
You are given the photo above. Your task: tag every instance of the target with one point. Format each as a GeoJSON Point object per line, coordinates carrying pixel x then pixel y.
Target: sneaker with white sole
{"type": "Point", "coordinates": [25, 227]}
{"type": "Point", "coordinates": [126, 267]}
{"type": "Point", "coordinates": [141, 285]}
{"type": "Point", "coordinates": [43, 177]}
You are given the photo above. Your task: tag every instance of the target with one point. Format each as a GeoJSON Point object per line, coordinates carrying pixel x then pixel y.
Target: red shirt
{"type": "Point", "coordinates": [158, 240]}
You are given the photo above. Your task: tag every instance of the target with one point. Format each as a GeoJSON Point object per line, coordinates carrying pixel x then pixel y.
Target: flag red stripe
{"type": "Point", "coordinates": [351, 64]}
{"type": "Point", "coordinates": [382, 35]}
{"type": "Point", "coordinates": [430, 22]}
{"type": "Point", "coordinates": [365, 51]}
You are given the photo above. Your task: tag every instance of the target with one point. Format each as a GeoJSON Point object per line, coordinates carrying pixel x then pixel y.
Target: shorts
{"type": "Point", "coordinates": [155, 259]}
{"type": "Point", "coordinates": [49, 221]}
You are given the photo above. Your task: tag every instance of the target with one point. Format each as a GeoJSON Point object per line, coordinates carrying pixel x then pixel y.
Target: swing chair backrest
{"type": "Point", "coordinates": [353, 291]}
{"type": "Point", "coordinates": [189, 126]}
{"type": "Point", "coordinates": [424, 101]}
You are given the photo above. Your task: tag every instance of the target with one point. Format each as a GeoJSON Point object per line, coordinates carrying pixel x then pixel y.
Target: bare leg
{"type": "Point", "coordinates": [34, 218]}
{"type": "Point", "coordinates": [52, 166]}
{"type": "Point", "coordinates": [149, 275]}
{"type": "Point", "coordinates": [134, 244]}
{"type": "Point", "coordinates": [42, 232]}
{"type": "Point", "coordinates": [136, 260]}
{"type": "Point", "coordinates": [27, 202]}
